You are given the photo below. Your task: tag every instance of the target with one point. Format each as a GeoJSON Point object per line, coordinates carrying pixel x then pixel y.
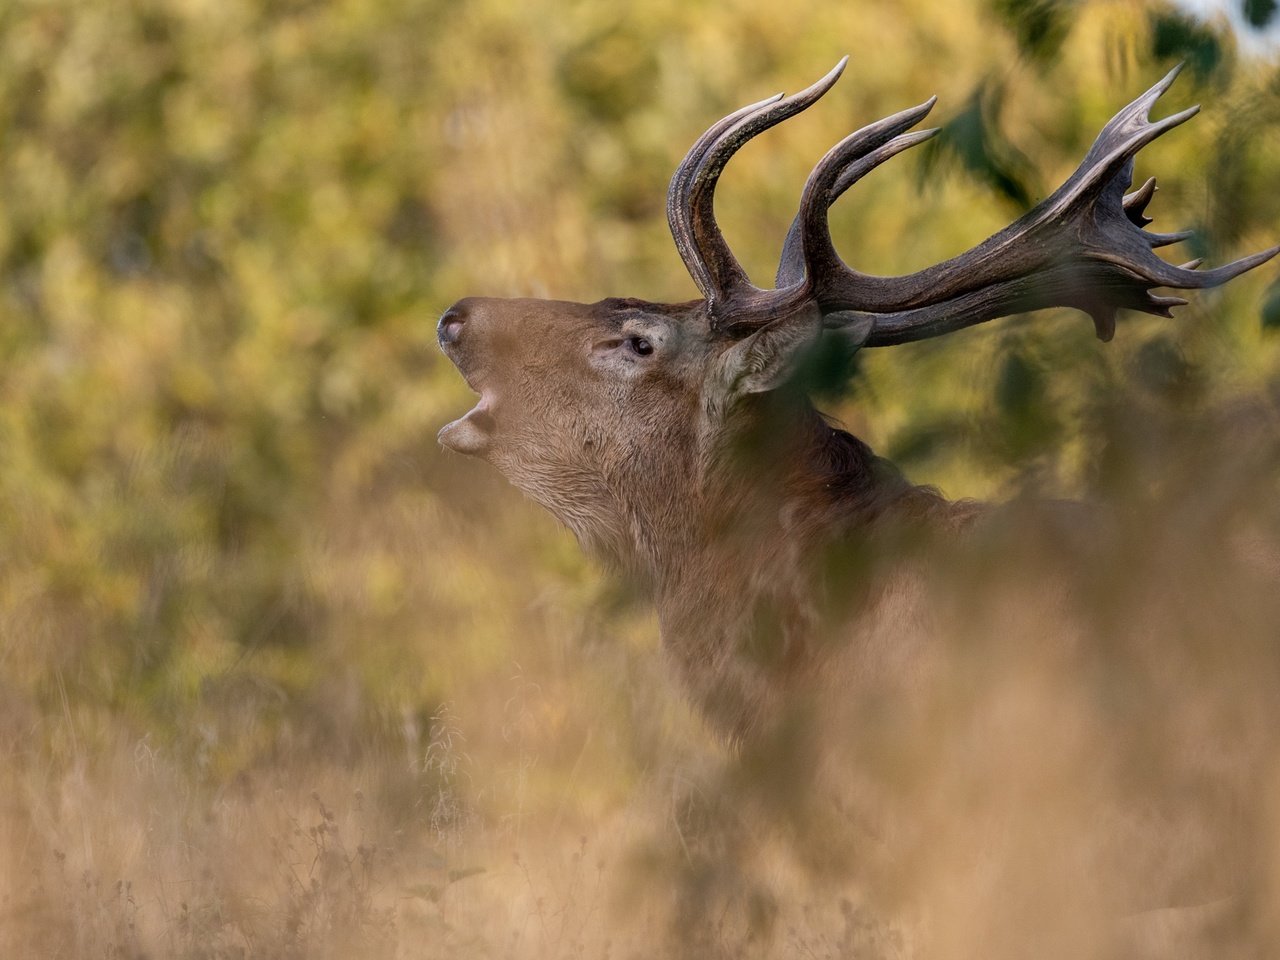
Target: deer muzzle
{"type": "Point", "coordinates": [472, 433]}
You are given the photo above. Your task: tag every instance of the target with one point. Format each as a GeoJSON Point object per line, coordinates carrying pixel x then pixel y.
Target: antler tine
{"type": "Point", "coordinates": [1167, 239]}
{"type": "Point", "coordinates": [1089, 290]}
{"type": "Point", "coordinates": [690, 200]}
{"type": "Point", "coordinates": [1139, 110]}
{"type": "Point", "coordinates": [844, 165]}
{"type": "Point", "coordinates": [1114, 149]}
{"type": "Point", "coordinates": [861, 166]}
{"type": "Point", "coordinates": [816, 247]}
{"type": "Point", "coordinates": [1083, 247]}
{"type": "Point", "coordinates": [1135, 204]}
{"type": "Point", "coordinates": [678, 193]}
{"type": "Point", "coordinates": [1187, 277]}
{"type": "Point", "coordinates": [1134, 118]}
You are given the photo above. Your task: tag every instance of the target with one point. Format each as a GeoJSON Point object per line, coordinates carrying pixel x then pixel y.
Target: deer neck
{"type": "Point", "coordinates": [741, 595]}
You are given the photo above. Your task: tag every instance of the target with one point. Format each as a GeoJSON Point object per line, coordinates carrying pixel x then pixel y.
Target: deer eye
{"type": "Point", "coordinates": [640, 345]}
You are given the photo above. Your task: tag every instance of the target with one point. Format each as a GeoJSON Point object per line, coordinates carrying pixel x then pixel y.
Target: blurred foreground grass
{"type": "Point", "coordinates": [280, 679]}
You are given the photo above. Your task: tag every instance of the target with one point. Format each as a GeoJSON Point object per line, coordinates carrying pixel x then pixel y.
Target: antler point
{"type": "Point", "coordinates": [834, 73]}
{"type": "Point", "coordinates": [1167, 239]}
{"type": "Point", "coordinates": [1172, 75]}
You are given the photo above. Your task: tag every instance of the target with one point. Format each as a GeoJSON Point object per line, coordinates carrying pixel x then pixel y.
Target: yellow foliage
{"type": "Point", "coordinates": [234, 565]}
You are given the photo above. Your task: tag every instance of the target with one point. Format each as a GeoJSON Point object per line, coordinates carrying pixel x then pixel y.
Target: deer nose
{"type": "Point", "coordinates": [449, 329]}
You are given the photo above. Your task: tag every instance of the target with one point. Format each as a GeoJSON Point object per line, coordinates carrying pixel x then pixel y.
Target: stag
{"type": "Point", "coordinates": [626, 419]}
{"type": "Point", "coordinates": [678, 443]}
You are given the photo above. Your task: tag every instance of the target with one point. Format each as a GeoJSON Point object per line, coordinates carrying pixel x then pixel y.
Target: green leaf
{"type": "Point", "coordinates": [1259, 13]}
{"type": "Point", "coordinates": [1271, 309]}
{"type": "Point", "coordinates": [1176, 36]}
{"type": "Point", "coordinates": [974, 140]}
{"type": "Point", "coordinates": [1040, 26]}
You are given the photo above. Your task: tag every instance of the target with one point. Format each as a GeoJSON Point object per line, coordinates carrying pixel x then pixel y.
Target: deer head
{"type": "Point", "coordinates": [618, 415]}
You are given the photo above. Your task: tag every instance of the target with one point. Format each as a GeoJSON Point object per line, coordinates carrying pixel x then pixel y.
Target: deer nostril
{"type": "Point", "coordinates": [450, 327]}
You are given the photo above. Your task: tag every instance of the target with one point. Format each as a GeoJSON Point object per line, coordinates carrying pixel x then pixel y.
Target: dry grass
{"type": "Point", "coordinates": [1095, 748]}
{"type": "Point", "coordinates": [280, 680]}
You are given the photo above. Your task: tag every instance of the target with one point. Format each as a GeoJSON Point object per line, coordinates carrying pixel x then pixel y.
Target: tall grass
{"type": "Point", "coordinates": [280, 679]}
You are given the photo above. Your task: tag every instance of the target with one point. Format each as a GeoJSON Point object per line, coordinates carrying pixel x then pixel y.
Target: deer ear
{"type": "Point", "coordinates": [774, 355]}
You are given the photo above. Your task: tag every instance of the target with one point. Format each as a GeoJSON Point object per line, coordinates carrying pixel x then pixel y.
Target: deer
{"type": "Point", "coordinates": [678, 443]}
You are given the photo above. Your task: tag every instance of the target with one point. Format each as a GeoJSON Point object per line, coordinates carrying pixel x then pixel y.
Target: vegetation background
{"type": "Point", "coordinates": [279, 677]}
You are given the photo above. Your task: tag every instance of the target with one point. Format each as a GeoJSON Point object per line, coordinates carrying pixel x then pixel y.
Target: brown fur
{"type": "Point", "coordinates": [982, 716]}
{"type": "Point", "coordinates": [723, 505]}
{"type": "Point", "coordinates": [795, 575]}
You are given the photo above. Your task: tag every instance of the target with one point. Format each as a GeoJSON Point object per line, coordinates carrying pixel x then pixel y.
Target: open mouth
{"type": "Point", "coordinates": [473, 431]}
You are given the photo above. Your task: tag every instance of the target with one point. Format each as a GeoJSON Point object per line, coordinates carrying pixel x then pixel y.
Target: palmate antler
{"type": "Point", "coordinates": [1082, 247]}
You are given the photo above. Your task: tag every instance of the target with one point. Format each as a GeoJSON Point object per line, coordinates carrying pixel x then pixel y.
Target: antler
{"type": "Point", "coordinates": [690, 199]}
{"type": "Point", "coordinates": [1083, 246]}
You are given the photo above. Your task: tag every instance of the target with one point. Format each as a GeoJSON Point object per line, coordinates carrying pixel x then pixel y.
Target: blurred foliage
{"type": "Point", "coordinates": [226, 531]}
{"type": "Point", "coordinates": [1259, 13]}
{"type": "Point", "coordinates": [1271, 308]}
{"type": "Point", "coordinates": [973, 137]}
{"type": "Point", "coordinates": [1177, 36]}
{"type": "Point", "coordinates": [229, 228]}
{"type": "Point", "coordinates": [1040, 26]}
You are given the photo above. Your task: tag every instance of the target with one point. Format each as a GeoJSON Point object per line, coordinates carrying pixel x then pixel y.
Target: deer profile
{"type": "Point", "coordinates": [626, 418]}
{"type": "Point", "coordinates": [678, 443]}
